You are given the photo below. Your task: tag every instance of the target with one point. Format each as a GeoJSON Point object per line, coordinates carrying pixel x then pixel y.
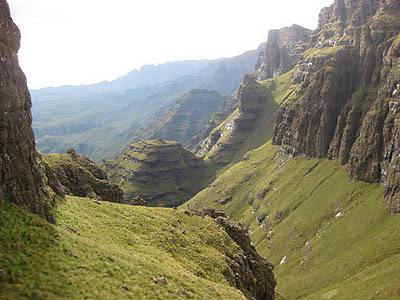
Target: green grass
{"type": "Point", "coordinates": [281, 87]}
{"type": "Point", "coordinates": [112, 251]}
{"type": "Point", "coordinates": [353, 256]}
{"type": "Point", "coordinates": [320, 52]}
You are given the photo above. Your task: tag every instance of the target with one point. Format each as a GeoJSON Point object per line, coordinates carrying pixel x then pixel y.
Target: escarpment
{"type": "Point", "coordinates": [79, 176]}
{"type": "Point", "coordinates": [159, 172]}
{"type": "Point", "coordinates": [347, 102]}
{"type": "Point", "coordinates": [248, 127]}
{"type": "Point", "coordinates": [281, 52]}
{"type": "Point", "coordinates": [22, 179]}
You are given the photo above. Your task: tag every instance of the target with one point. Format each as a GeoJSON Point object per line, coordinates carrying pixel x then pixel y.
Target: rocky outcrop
{"type": "Point", "coordinates": [79, 176]}
{"type": "Point", "coordinates": [347, 102]}
{"type": "Point", "coordinates": [187, 119]}
{"type": "Point", "coordinates": [160, 172]}
{"type": "Point", "coordinates": [281, 52]}
{"type": "Point", "coordinates": [247, 128]}
{"type": "Point", "coordinates": [248, 272]}
{"type": "Point", "coordinates": [22, 179]}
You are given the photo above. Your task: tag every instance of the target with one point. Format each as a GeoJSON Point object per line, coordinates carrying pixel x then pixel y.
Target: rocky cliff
{"type": "Point", "coordinates": [347, 101]}
{"type": "Point", "coordinates": [159, 172]}
{"type": "Point", "coordinates": [79, 176]}
{"type": "Point", "coordinates": [187, 119]}
{"type": "Point", "coordinates": [22, 179]}
{"type": "Point", "coordinates": [248, 127]}
{"type": "Point", "coordinates": [283, 49]}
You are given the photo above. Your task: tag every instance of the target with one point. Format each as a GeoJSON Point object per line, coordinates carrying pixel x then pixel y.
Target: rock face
{"type": "Point", "coordinates": [188, 117]}
{"type": "Point", "coordinates": [247, 128]}
{"type": "Point", "coordinates": [22, 179]}
{"type": "Point", "coordinates": [79, 176]}
{"type": "Point", "coordinates": [160, 172]}
{"type": "Point", "coordinates": [283, 49]}
{"type": "Point", "coordinates": [347, 104]}
{"type": "Point", "coordinates": [249, 272]}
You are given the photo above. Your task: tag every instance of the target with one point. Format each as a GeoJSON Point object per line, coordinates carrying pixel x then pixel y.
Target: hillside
{"type": "Point", "coordinates": [187, 119]}
{"type": "Point", "coordinates": [328, 237]}
{"type": "Point", "coordinates": [112, 251]}
{"type": "Point", "coordinates": [102, 120]}
{"type": "Point", "coordinates": [158, 171]}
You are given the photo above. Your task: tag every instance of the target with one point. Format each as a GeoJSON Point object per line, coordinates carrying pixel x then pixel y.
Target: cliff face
{"type": "Point", "coordinates": [159, 172]}
{"type": "Point", "coordinates": [79, 176]}
{"type": "Point", "coordinates": [248, 127]}
{"type": "Point", "coordinates": [21, 173]}
{"type": "Point", "coordinates": [282, 51]}
{"type": "Point", "coordinates": [347, 103]}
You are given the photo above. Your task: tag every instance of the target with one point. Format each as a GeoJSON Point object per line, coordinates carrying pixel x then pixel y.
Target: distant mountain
{"type": "Point", "coordinates": [100, 120]}
{"type": "Point", "coordinates": [187, 118]}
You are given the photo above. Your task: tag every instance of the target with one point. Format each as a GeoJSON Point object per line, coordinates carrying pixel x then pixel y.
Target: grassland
{"type": "Point", "coordinates": [111, 251]}
{"type": "Point", "coordinates": [335, 238]}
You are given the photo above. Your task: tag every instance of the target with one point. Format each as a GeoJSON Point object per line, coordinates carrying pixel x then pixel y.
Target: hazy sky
{"type": "Point", "coordinates": [86, 41]}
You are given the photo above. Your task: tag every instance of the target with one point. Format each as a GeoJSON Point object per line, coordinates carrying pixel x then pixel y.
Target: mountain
{"type": "Point", "coordinates": [159, 172]}
{"type": "Point", "coordinates": [188, 117]}
{"type": "Point", "coordinates": [102, 120]}
{"type": "Point", "coordinates": [320, 196]}
{"type": "Point", "coordinates": [99, 249]}
{"type": "Point", "coordinates": [22, 178]}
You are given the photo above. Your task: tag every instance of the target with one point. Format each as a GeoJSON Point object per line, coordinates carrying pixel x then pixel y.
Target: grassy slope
{"type": "Point", "coordinates": [111, 251]}
{"type": "Point", "coordinates": [353, 256]}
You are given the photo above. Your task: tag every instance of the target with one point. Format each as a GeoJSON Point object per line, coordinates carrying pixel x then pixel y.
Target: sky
{"type": "Point", "coordinates": [86, 41]}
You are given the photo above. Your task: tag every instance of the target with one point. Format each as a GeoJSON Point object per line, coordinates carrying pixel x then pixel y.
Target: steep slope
{"type": "Point", "coordinates": [346, 106]}
{"type": "Point", "coordinates": [101, 120]}
{"type": "Point", "coordinates": [283, 49]}
{"type": "Point", "coordinates": [113, 251]}
{"type": "Point", "coordinates": [187, 118]}
{"type": "Point", "coordinates": [81, 177]}
{"type": "Point", "coordinates": [328, 237]}
{"type": "Point", "coordinates": [22, 179]}
{"type": "Point", "coordinates": [249, 126]}
{"type": "Point", "coordinates": [160, 172]}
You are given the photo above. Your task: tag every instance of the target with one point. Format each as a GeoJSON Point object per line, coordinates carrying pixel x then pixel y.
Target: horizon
{"type": "Point", "coordinates": [60, 48]}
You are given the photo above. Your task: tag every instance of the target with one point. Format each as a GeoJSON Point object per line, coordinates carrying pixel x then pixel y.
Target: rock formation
{"type": "Point", "coordinates": [347, 103]}
{"type": "Point", "coordinates": [283, 49]}
{"type": "Point", "coordinates": [160, 172]}
{"type": "Point", "coordinates": [79, 176]}
{"type": "Point", "coordinates": [22, 179]}
{"type": "Point", "coordinates": [247, 128]}
{"type": "Point", "coordinates": [249, 272]}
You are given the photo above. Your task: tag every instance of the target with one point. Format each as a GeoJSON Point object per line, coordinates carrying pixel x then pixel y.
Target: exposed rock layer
{"type": "Point", "coordinates": [160, 172]}
{"type": "Point", "coordinates": [348, 99]}
{"type": "Point", "coordinates": [22, 179]}
{"type": "Point", "coordinates": [250, 272]}
{"type": "Point", "coordinates": [79, 176]}
{"type": "Point", "coordinates": [283, 49]}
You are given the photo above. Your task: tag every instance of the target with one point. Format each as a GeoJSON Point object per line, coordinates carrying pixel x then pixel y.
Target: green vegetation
{"type": "Point", "coordinates": [161, 172]}
{"type": "Point", "coordinates": [320, 52]}
{"type": "Point", "coordinates": [339, 240]}
{"type": "Point", "coordinates": [112, 251]}
{"type": "Point", "coordinates": [281, 87]}
{"type": "Point", "coordinates": [396, 41]}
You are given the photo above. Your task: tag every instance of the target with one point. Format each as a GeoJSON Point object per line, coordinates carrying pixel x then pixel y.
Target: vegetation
{"type": "Point", "coordinates": [335, 238]}
{"type": "Point", "coordinates": [281, 87]}
{"type": "Point", "coordinates": [112, 251]}
{"type": "Point", "coordinates": [320, 52]}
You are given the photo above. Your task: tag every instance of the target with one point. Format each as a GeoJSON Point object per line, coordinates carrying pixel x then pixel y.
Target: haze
{"type": "Point", "coordinates": [82, 42]}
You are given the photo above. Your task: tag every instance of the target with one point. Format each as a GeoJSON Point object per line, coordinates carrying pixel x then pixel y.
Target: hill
{"type": "Point", "coordinates": [158, 171]}
{"type": "Point", "coordinates": [114, 251]}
